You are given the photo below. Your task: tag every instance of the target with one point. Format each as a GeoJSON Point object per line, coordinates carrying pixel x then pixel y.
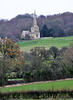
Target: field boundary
{"type": "Point", "coordinates": [14, 85]}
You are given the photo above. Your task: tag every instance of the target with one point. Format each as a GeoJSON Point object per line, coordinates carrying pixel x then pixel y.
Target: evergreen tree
{"type": "Point", "coordinates": [44, 31]}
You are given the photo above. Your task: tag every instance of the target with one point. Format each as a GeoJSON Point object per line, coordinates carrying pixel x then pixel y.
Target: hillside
{"type": "Point", "coordinates": [46, 42]}
{"type": "Point", "coordinates": [58, 25]}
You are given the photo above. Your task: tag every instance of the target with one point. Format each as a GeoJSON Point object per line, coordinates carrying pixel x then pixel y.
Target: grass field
{"type": "Point", "coordinates": [56, 85]}
{"type": "Point", "coordinates": [46, 42]}
{"type": "Point", "coordinates": [15, 79]}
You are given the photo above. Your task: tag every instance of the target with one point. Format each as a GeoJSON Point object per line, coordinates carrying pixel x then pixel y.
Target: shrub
{"type": "Point", "coordinates": [37, 94]}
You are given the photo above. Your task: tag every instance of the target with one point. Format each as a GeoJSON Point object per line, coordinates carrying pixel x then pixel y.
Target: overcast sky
{"type": "Point", "coordinates": [12, 8]}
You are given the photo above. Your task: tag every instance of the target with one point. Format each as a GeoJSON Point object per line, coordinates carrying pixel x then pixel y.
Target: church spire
{"type": "Point", "coordinates": [34, 21]}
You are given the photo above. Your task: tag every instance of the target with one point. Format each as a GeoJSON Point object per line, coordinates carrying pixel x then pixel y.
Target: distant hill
{"type": "Point", "coordinates": [57, 25]}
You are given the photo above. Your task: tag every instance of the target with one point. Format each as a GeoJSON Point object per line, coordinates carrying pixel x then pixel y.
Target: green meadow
{"type": "Point", "coordinates": [46, 42]}
{"type": "Point", "coordinates": [56, 85]}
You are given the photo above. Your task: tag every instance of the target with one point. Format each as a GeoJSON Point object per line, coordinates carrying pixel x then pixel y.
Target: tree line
{"type": "Point", "coordinates": [37, 65]}
{"type": "Point", "coordinates": [57, 25]}
{"type": "Point", "coordinates": [51, 64]}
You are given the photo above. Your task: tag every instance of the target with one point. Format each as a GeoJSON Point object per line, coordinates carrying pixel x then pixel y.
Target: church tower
{"type": "Point", "coordinates": [35, 29]}
{"type": "Point", "coordinates": [34, 21]}
{"type": "Point", "coordinates": [35, 33]}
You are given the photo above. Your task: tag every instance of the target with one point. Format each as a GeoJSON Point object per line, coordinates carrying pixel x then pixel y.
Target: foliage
{"type": "Point", "coordinates": [41, 64]}
{"type": "Point", "coordinates": [54, 52]}
{"type": "Point", "coordinates": [48, 64]}
{"type": "Point", "coordinates": [62, 50]}
{"type": "Point", "coordinates": [68, 61]}
{"type": "Point", "coordinates": [9, 49]}
{"type": "Point", "coordinates": [40, 52]}
{"type": "Point", "coordinates": [64, 94]}
{"type": "Point", "coordinates": [45, 32]}
{"type": "Point", "coordinates": [5, 66]}
{"type": "Point", "coordinates": [59, 25]}
{"type": "Point", "coordinates": [27, 77]}
{"type": "Point", "coordinates": [11, 59]}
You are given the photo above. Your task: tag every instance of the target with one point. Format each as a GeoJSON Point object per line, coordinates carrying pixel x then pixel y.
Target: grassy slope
{"type": "Point", "coordinates": [46, 42]}
{"type": "Point", "coordinates": [57, 85]}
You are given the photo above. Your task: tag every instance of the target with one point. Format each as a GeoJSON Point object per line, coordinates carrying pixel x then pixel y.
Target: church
{"type": "Point", "coordinates": [35, 33]}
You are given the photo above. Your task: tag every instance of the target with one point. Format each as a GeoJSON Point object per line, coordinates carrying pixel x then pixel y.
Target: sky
{"type": "Point", "coordinates": [11, 8]}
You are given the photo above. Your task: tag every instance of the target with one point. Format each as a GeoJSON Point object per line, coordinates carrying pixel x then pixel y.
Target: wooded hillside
{"type": "Point", "coordinates": [57, 25]}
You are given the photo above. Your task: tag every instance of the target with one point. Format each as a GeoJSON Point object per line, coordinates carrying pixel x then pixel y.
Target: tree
{"type": "Point", "coordinates": [40, 52]}
{"type": "Point", "coordinates": [57, 31]}
{"type": "Point", "coordinates": [8, 49]}
{"type": "Point", "coordinates": [11, 57]}
{"type": "Point", "coordinates": [62, 51]}
{"type": "Point", "coordinates": [44, 31]}
{"type": "Point", "coordinates": [68, 61]}
{"type": "Point", "coordinates": [54, 51]}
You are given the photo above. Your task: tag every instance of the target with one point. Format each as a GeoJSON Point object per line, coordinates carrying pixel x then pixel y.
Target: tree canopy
{"type": "Point", "coordinates": [9, 49]}
{"type": "Point", "coordinates": [11, 59]}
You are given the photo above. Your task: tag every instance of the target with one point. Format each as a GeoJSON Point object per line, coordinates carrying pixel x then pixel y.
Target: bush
{"type": "Point", "coordinates": [54, 51]}
{"type": "Point", "coordinates": [37, 94]}
{"type": "Point", "coordinates": [27, 77]}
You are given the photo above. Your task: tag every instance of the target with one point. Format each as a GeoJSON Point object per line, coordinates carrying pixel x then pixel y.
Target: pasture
{"type": "Point", "coordinates": [46, 42]}
{"type": "Point", "coordinates": [44, 86]}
